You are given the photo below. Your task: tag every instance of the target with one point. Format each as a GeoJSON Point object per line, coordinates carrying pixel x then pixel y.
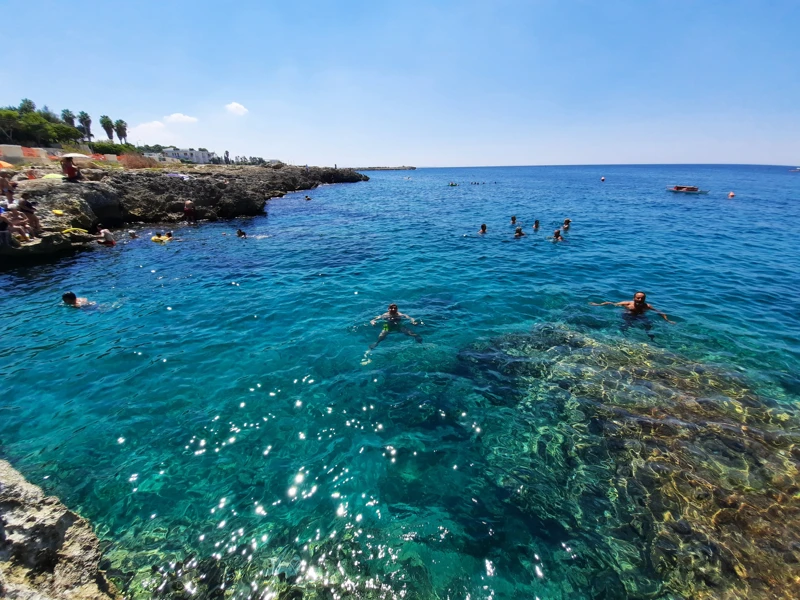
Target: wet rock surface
{"type": "Point", "coordinates": [115, 198]}
{"type": "Point", "coordinates": [668, 478]}
{"type": "Point", "coordinates": [46, 551]}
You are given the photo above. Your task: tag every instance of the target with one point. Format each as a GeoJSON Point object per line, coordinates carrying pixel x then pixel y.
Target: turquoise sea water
{"type": "Point", "coordinates": [218, 403]}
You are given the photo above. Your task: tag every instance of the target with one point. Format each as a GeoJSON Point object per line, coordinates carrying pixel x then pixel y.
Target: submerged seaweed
{"type": "Point", "coordinates": [671, 479]}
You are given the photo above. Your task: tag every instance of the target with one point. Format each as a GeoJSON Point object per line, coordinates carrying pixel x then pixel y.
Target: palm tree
{"type": "Point", "coordinates": [86, 123]}
{"type": "Point", "coordinates": [68, 117]}
{"type": "Point", "coordinates": [26, 106]}
{"type": "Point", "coordinates": [121, 127]}
{"type": "Point", "coordinates": [108, 126]}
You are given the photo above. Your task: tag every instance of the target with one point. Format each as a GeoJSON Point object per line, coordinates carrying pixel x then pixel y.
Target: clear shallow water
{"type": "Point", "coordinates": [215, 401]}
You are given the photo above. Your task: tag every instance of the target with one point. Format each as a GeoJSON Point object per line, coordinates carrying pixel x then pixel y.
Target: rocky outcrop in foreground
{"type": "Point", "coordinates": [118, 197]}
{"type": "Point", "coordinates": [46, 551]}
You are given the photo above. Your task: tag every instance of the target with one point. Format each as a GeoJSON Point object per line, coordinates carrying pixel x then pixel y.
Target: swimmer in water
{"type": "Point", "coordinates": [483, 229]}
{"type": "Point", "coordinates": [635, 312]}
{"type": "Point", "coordinates": [308, 198]}
{"type": "Point", "coordinates": [557, 236]}
{"type": "Point", "coordinates": [565, 226]}
{"type": "Point", "coordinates": [519, 233]}
{"type": "Point", "coordinates": [536, 225]}
{"type": "Point", "coordinates": [393, 323]}
{"type": "Point", "coordinates": [513, 220]}
{"type": "Point", "coordinates": [241, 234]}
{"type": "Point", "coordinates": [70, 299]}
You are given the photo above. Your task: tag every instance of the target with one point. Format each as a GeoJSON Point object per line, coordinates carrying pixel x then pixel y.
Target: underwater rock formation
{"type": "Point", "coordinates": [670, 479]}
{"type": "Point", "coordinates": [46, 551]}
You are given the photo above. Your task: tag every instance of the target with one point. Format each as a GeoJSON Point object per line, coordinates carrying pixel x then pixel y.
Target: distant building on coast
{"type": "Point", "coordinates": [160, 157]}
{"type": "Point", "coordinates": [200, 157]}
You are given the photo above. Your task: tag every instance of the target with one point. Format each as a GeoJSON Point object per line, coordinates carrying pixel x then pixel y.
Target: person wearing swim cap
{"type": "Point", "coordinates": [393, 322]}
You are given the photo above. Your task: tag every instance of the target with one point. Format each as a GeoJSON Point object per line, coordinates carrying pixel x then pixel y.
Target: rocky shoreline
{"type": "Point", "coordinates": [116, 198]}
{"type": "Point", "coordinates": [46, 550]}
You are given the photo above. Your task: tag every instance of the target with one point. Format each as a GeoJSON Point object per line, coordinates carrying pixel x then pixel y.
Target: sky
{"type": "Point", "coordinates": [433, 83]}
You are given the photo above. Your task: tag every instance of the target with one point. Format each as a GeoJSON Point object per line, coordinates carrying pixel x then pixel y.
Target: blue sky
{"type": "Point", "coordinates": [446, 83]}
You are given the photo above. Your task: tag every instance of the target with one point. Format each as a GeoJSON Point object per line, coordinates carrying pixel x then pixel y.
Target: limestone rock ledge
{"type": "Point", "coordinates": [117, 198]}
{"type": "Point", "coordinates": [47, 552]}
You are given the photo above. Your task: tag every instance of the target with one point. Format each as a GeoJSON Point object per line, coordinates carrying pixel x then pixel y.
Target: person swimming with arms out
{"type": "Point", "coordinates": [393, 322]}
{"type": "Point", "coordinates": [519, 233]}
{"type": "Point", "coordinates": [636, 312]}
{"type": "Point", "coordinates": [483, 229]}
{"type": "Point", "coordinates": [70, 299]}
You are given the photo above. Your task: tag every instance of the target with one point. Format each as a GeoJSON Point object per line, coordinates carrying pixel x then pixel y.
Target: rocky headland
{"type": "Point", "coordinates": [119, 197]}
{"type": "Point", "coordinates": [46, 550]}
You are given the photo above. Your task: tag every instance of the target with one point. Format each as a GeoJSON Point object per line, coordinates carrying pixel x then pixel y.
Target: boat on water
{"type": "Point", "coordinates": [686, 189]}
{"type": "Point", "coordinates": [797, 170]}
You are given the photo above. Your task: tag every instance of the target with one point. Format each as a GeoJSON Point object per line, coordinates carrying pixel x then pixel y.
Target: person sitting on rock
{"type": "Point", "coordinates": [26, 208]}
{"type": "Point", "coordinates": [105, 237]}
{"type": "Point", "coordinates": [70, 171]}
{"type": "Point", "coordinates": [19, 223]}
{"type": "Point", "coordinates": [241, 234]}
{"type": "Point", "coordinates": [70, 299]}
{"type": "Point", "coordinates": [6, 233]}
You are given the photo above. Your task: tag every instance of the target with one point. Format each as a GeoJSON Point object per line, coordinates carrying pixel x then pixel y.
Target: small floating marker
{"type": "Point", "coordinates": [169, 308]}
{"type": "Point", "coordinates": [602, 179]}
{"type": "Point", "coordinates": [356, 293]}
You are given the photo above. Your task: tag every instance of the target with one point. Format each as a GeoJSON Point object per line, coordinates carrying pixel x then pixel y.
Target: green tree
{"type": "Point", "coordinates": [26, 106]}
{"type": "Point", "coordinates": [121, 127]}
{"type": "Point", "coordinates": [68, 117]}
{"type": "Point", "coordinates": [61, 132]}
{"type": "Point", "coordinates": [108, 126]}
{"type": "Point", "coordinates": [86, 124]}
{"type": "Point", "coordinates": [49, 115]}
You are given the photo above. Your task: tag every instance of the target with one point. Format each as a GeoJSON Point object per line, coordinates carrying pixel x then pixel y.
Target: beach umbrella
{"type": "Point", "coordinates": [76, 155]}
{"type": "Point", "coordinates": [5, 165]}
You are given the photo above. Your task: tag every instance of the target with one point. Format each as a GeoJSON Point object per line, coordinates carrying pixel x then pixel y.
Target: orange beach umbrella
{"type": "Point", "coordinates": [5, 165]}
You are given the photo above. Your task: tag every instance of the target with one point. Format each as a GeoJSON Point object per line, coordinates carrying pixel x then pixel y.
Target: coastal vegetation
{"type": "Point", "coordinates": [25, 125]}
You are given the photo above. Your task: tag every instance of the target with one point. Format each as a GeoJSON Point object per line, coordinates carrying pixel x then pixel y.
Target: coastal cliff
{"type": "Point", "coordinates": [46, 550]}
{"type": "Point", "coordinates": [119, 197]}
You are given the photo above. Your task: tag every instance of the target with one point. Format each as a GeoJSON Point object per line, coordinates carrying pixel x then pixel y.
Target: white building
{"type": "Point", "coordinates": [200, 157]}
{"type": "Point", "coordinates": [160, 157]}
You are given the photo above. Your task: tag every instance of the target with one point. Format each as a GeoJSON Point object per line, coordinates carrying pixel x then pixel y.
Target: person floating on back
{"type": "Point", "coordinates": [635, 312]}
{"type": "Point", "coordinates": [393, 320]}
{"type": "Point", "coordinates": [70, 299]}
{"type": "Point", "coordinates": [519, 233]}
{"type": "Point", "coordinates": [483, 229]}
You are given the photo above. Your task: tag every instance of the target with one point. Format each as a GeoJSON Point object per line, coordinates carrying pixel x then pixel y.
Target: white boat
{"type": "Point", "coordinates": [686, 189]}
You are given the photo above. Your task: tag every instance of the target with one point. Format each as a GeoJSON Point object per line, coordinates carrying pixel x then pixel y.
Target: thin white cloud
{"type": "Point", "coordinates": [236, 109]}
{"type": "Point", "coordinates": [152, 132]}
{"type": "Point", "coordinates": [179, 118]}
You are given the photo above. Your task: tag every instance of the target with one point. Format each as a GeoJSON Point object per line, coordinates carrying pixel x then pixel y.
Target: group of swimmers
{"type": "Point", "coordinates": [518, 232]}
